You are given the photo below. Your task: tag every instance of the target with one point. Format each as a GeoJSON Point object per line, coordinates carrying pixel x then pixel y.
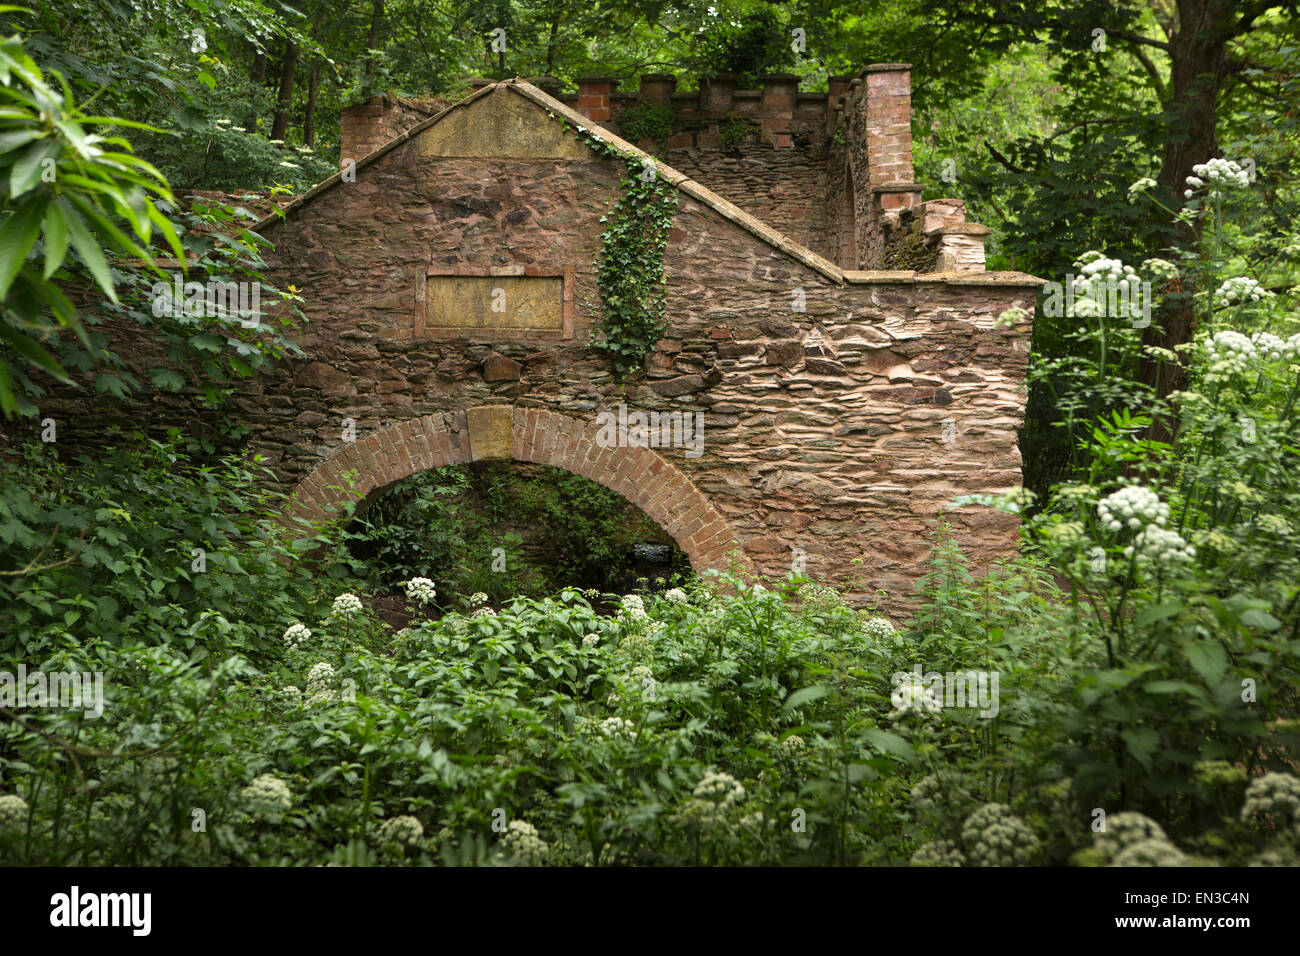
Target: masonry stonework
{"type": "Point", "coordinates": [842, 409]}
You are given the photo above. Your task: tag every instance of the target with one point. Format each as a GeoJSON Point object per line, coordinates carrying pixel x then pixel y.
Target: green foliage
{"type": "Point", "coordinates": [735, 132]}
{"type": "Point", "coordinates": [647, 121]}
{"type": "Point", "coordinates": [630, 268]}
{"type": "Point", "coordinates": [462, 526]}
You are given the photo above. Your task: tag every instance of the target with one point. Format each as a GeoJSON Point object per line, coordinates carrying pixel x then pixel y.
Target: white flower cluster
{"type": "Point", "coordinates": [293, 694]}
{"type": "Point", "coordinates": [401, 831]}
{"type": "Point", "coordinates": [484, 612]}
{"type": "Point", "coordinates": [641, 673]}
{"type": "Point", "coordinates": [1274, 348]}
{"type": "Point", "coordinates": [1097, 287]}
{"type": "Point", "coordinates": [633, 607]}
{"type": "Point", "coordinates": [1160, 546]}
{"type": "Point", "coordinates": [346, 605]}
{"type": "Point", "coordinates": [521, 840]}
{"type": "Point", "coordinates": [1238, 291]}
{"type": "Point", "coordinates": [719, 788]}
{"type": "Point", "coordinates": [296, 636]}
{"type": "Point", "coordinates": [267, 798]}
{"type": "Point", "coordinates": [938, 853]}
{"type": "Point", "coordinates": [618, 728]}
{"type": "Point", "coordinates": [591, 640]}
{"type": "Point", "coordinates": [1275, 794]}
{"type": "Point", "coordinates": [675, 596]}
{"type": "Point", "coordinates": [477, 598]}
{"type": "Point", "coordinates": [320, 683]}
{"type": "Point", "coordinates": [13, 812]}
{"type": "Point", "coordinates": [1125, 829]}
{"type": "Point", "coordinates": [1131, 507]}
{"type": "Point", "coordinates": [1230, 347]}
{"type": "Point", "coordinates": [1219, 173]}
{"type": "Point", "coordinates": [994, 836]}
{"type": "Point", "coordinates": [1145, 184]}
{"type": "Point", "coordinates": [911, 697]}
{"type": "Point", "coordinates": [878, 629]}
{"type": "Point", "coordinates": [793, 745]}
{"type": "Point", "coordinates": [1274, 524]}
{"type": "Point", "coordinates": [1150, 853]}
{"type": "Point", "coordinates": [420, 590]}
{"type": "Point", "coordinates": [1162, 270]}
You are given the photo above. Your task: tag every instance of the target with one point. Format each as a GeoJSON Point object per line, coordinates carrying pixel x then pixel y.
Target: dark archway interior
{"type": "Point", "coordinates": [507, 529]}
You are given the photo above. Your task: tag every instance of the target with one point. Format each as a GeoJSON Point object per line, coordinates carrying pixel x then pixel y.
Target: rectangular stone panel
{"type": "Point", "coordinates": [495, 302]}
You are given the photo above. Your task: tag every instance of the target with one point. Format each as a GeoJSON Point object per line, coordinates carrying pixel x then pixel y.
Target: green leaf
{"type": "Point", "coordinates": [56, 239]}
{"type": "Point", "coordinates": [804, 696]}
{"type": "Point", "coordinates": [1208, 659]}
{"type": "Point", "coordinates": [17, 236]}
{"type": "Point", "coordinates": [1141, 743]}
{"type": "Point", "coordinates": [88, 248]}
{"type": "Point", "coordinates": [27, 172]}
{"type": "Point", "coordinates": [890, 743]}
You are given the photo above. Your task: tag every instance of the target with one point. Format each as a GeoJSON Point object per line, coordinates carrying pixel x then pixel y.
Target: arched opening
{"type": "Point", "coordinates": [645, 478]}
{"type": "Point", "coordinates": [504, 529]}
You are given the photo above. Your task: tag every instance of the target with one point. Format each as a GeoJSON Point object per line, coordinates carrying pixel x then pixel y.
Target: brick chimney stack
{"type": "Point", "coordinates": [888, 122]}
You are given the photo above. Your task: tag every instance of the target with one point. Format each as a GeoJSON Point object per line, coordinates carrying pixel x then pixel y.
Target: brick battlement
{"type": "Point", "coordinates": [833, 171]}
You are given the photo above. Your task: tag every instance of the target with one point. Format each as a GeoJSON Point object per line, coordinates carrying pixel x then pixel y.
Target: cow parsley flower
{"type": "Point", "coordinates": [1132, 507]}
{"type": "Point", "coordinates": [1220, 173]}
{"type": "Point", "coordinates": [938, 853]}
{"type": "Point", "coordinates": [296, 636]}
{"type": "Point", "coordinates": [993, 836]}
{"type": "Point", "coordinates": [878, 629]}
{"type": "Point", "coordinates": [591, 640]}
{"type": "Point", "coordinates": [1145, 184]}
{"type": "Point", "coordinates": [1160, 547]}
{"type": "Point", "coordinates": [633, 607]}
{"type": "Point", "coordinates": [13, 812]}
{"type": "Point", "coordinates": [320, 683]}
{"type": "Point", "coordinates": [420, 590]}
{"type": "Point", "coordinates": [1275, 794]}
{"type": "Point", "coordinates": [618, 728]}
{"type": "Point", "coordinates": [477, 598]}
{"type": "Point", "coordinates": [675, 596]}
{"type": "Point", "coordinates": [267, 798]}
{"type": "Point", "coordinates": [794, 745]}
{"type": "Point", "coordinates": [1162, 270]}
{"type": "Point", "coordinates": [1270, 347]}
{"type": "Point", "coordinates": [1238, 291]}
{"type": "Point", "coordinates": [911, 696]}
{"type": "Point", "coordinates": [401, 831]}
{"type": "Point", "coordinates": [642, 673]}
{"type": "Point", "coordinates": [1125, 829]}
{"type": "Point", "coordinates": [521, 840]}
{"type": "Point", "coordinates": [1150, 853]}
{"type": "Point", "coordinates": [346, 605]}
{"type": "Point", "coordinates": [293, 695]}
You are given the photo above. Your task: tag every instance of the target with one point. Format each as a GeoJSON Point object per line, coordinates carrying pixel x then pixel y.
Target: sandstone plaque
{"type": "Point", "coordinates": [495, 302]}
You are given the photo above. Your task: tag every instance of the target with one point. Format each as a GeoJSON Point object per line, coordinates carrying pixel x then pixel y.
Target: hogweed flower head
{"type": "Point", "coordinates": [420, 590]}
{"type": "Point", "coordinates": [346, 605]}
{"type": "Point", "coordinates": [1132, 507]}
{"type": "Point", "coordinates": [267, 798]}
{"type": "Point", "coordinates": [296, 635]}
{"type": "Point", "coordinates": [13, 812]}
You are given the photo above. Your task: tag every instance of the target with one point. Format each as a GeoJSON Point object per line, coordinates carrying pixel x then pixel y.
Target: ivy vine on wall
{"type": "Point", "coordinates": [630, 267]}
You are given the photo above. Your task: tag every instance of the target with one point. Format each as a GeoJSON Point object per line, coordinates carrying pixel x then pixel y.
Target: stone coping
{"type": "Point", "coordinates": [723, 207]}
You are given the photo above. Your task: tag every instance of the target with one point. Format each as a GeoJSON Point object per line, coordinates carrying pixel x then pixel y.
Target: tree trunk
{"type": "Point", "coordinates": [280, 125]}
{"type": "Point", "coordinates": [1198, 66]}
{"type": "Point", "coordinates": [372, 42]}
{"type": "Point", "coordinates": [309, 121]}
{"type": "Point", "coordinates": [256, 76]}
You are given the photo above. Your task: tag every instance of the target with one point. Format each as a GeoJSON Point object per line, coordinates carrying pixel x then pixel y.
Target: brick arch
{"type": "Point", "coordinates": [641, 475]}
